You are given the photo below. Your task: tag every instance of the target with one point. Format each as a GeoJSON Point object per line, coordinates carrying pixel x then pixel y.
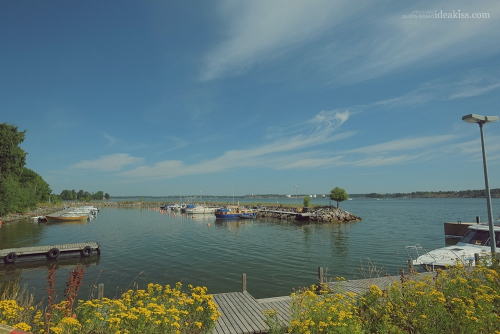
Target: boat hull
{"type": "Point", "coordinates": [65, 218]}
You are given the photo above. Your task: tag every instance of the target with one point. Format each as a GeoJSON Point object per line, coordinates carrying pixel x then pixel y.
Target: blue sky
{"type": "Point", "coordinates": [170, 97]}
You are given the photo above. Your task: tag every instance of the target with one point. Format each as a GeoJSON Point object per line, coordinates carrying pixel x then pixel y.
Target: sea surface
{"type": "Point", "coordinates": [141, 246]}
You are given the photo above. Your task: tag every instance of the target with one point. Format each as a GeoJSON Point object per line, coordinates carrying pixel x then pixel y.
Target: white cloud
{"type": "Point", "coordinates": [322, 128]}
{"type": "Point", "coordinates": [404, 144]}
{"type": "Point", "coordinates": [261, 30]}
{"type": "Point", "coordinates": [341, 41]}
{"type": "Point", "coordinates": [109, 163]}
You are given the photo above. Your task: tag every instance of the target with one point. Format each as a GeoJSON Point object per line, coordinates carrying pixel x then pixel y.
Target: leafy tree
{"type": "Point", "coordinates": [307, 201]}
{"type": "Point", "coordinates": [80, 195]}
{"type": "Point", "coordinates": [98, 195]}
{"type": "Point", "coordinates": [12, 157]}
{"type": "Point", "coordinates": [339, 195]}
{"type": "Point", "coordinates": [106, 196]}
{"type": "Point", "coordinates": [20, 187]}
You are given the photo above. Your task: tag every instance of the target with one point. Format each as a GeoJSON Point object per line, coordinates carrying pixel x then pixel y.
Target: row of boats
{"type": "Point", "coordinates": [221, 213]}
{"type": "Point", "coordinates": [70, 214]}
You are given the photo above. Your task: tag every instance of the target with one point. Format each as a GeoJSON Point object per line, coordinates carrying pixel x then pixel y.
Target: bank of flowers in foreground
{"type": "Point", "coordinates": [458, 300]}
{"type": "Point", "coordinates": [155, 310]}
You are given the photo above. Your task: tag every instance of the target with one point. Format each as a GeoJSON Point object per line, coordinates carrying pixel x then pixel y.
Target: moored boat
{"type": "Point", "coordinates": [475, 241]}
{"type": "Point", "coordinates": [66, 216]}
{"type": "Point", "coordinates": [248, 215]}
{"type": "Point", "coordinates": [232, 212]}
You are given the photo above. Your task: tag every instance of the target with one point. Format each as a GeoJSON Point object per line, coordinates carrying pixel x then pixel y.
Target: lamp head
{"type": "Point", "coordinates": [474, 118]}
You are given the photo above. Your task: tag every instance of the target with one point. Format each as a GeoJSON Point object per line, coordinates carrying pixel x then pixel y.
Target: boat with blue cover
{"type": "Point", "coordinates": [234, 212]}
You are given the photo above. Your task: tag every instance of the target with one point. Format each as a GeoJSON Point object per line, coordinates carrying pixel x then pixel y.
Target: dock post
{"type": "Point", "coordinates": [477, 219]}
{"type": "Point", "coordinates": [410, 267]}
{"type": "Point", "coordinates": [100, 292]}
{"type": "Point", "coordinates": [320, 275]}
{"type": "Point", "coordinates": [476, 259]}
{"type": "Point", "coordinates": [244, 282]}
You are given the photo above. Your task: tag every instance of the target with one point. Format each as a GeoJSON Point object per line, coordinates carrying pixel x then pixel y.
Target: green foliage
{"type": "Point", "coordinates": [81, 195]}
{"type": "Point", "coordinates": [458, 300]}
{"type": "Point", "coordinates": [307, 201]}
{"type": "Point", "coordinates": [12, 157]}
{"type": "Point", "coordinates": [20, 187]}
{"type": "Point", "coordinates": [339, 195]}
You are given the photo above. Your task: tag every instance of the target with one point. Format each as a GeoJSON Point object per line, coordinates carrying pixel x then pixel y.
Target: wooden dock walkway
{"type": "Point", "coordinates": [51, 252]}
{"type": "Point", "coordinates": [243, 314]}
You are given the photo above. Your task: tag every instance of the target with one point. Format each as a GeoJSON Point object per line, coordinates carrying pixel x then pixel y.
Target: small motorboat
{"type": "Point", "coordinates": [234, 212]}
{"type": "Point", "coordinates": [475, 241]}
{"type": "Point", "coordinates": [248, 215]}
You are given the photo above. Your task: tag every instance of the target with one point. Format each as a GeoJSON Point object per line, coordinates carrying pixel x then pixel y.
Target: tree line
{"type": "Point", "coordinates": [495, 193]}
{"type": "Point", "coordinates": [71, 195]}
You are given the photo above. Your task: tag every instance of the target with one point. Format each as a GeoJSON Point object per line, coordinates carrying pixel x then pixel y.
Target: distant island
{"type": "Point", "coordinates": [495, 193]}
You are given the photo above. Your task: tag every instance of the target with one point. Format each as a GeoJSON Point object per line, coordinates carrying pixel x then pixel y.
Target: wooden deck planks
{"type": "Point", "coordinates": [240, 314]}
{"type": "Point", "coordinates": [250, 311]}
{"type": "Point", "coordinates": [229, 316]}
{"type": "Point", "coordinates": [243, 314]}
{"type": "Point", "coordinates": [279, 304]}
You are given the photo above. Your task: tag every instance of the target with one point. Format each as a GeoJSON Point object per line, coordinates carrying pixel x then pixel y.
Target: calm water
{"type": "Point", "coordinates": [143, 246]}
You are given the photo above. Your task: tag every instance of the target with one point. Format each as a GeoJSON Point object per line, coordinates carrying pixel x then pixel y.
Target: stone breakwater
{"type": "Point", "coordinates": [315, 215]}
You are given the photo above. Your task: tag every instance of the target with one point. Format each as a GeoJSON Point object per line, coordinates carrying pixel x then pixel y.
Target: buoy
{"type": "Point", "coordinates": [208, 224]}
{"type": "Point", "coordinates": [193, 216]}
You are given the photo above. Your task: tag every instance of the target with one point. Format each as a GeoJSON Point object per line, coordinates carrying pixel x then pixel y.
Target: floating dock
{"type": "Point", "coordinates": [51, 252]}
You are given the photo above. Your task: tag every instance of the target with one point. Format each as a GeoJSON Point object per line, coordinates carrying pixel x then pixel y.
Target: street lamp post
{"type": "Point", "coordinates": [479, 119]}
{"type": "Point", "coordinates": [295, 196]}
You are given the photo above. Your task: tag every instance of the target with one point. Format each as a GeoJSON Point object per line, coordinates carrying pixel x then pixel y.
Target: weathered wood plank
{"type": "Point", "coordinates": [237, 314]}
{"type": "Point", "coordinates": [254, 318]}
{"type": "Point", "coordinates": [220, 324]}
{"type": "Point", "coordinates": [229, 316]}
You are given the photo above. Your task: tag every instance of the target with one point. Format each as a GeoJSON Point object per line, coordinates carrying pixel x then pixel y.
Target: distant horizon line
{"type": "Point", "coordinates": [303, 195]}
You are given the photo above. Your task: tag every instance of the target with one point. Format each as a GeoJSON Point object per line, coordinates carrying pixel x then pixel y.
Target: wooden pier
{"type": "Point", "coordinates": [51, 252]}
{"type": "Point", "coordinates": [243, 314]}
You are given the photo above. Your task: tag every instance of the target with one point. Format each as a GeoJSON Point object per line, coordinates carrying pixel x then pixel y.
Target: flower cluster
{"type": "Point", "coordinates": [457, 300]}
{"type": "Point", "coordinates": [155, 310]}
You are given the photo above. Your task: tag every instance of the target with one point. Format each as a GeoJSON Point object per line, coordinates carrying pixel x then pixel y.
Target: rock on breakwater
{"type": "Point", "coordinates": [317, 215]}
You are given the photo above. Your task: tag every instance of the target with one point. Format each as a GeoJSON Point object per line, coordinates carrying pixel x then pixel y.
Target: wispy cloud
{"type": "Point", "coordinates": [404, 144]}
{"type": "Point", "coordinates": [460, 86]}
{"type": "Point", "coordinates": [262, 30]}
{"type": "Point", "coordinates": [347, 42]}
{"type": "Point", "coordinates": [111, 140]}
{"type": "Point", "coordinates": [321, 129]}
{"type": "Point", "coordinates": [109, 163]}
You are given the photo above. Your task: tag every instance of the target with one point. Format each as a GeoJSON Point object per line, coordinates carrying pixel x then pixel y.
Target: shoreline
{"type": "Point", "coordinates": [318, 214]}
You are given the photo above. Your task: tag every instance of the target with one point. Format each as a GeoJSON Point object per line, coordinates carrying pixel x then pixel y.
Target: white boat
{"type": "Point", "coordinates": [200, 209]}
{"type": "Point", "coordinates": [90, 211]}
{"type": "Point", "coordinates": [475, 241]}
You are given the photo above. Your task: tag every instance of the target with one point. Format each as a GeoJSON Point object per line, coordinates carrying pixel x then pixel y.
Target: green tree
{"type": "Point", "coordinates": [307, 201]}
{"type": "Point", "coordinates": [20, 187]}
{"type": "Point", "coordinates": [106, 196]}
{"type": "Point", "coordinates": [339, 195]}
{"type": "Point", "coordinates": [12, 157]}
